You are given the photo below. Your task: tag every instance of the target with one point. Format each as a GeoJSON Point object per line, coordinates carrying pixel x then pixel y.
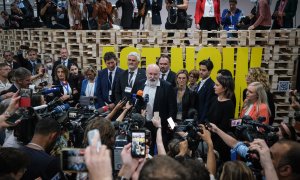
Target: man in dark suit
{"type": "Point", "coordinates": [130, 18]}
{"type": "Point", "coordinates": [31, 62]}
{"type": "Point", "coordinates": [106, 81]}
{"type": "Point", "coordinates": [8, 59]}
{"type": "Point", "coordinates": [64, 60]}
{"type": "Point", "coordinates": [162, 99]}
{"type": "Point", "coordinates": [165, 72]}
{"type": "Point", "coordinates": [22, 77]}
{"type": "Point", "coordinates": [127, 84]}
{"type": "Point", "coordinates": [205, 90]}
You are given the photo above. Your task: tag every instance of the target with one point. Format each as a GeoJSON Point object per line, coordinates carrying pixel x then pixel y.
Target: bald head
{"type": "Point", "coordinates": [152, 74]}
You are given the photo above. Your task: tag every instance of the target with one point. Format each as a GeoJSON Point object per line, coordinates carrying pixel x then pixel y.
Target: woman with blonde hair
{"type": "Point", "coordinates": [75, 13]}
{"type": "Point", "coordinates": [257, 74]}
{"type": "Point", "coordinates": [233, 170]}
{"type": "Point", "coordinates": [256, 103]}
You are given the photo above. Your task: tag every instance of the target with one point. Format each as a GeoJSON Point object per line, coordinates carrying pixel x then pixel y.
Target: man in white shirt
{"type": "Point", "coordinates": [4, 83]}
{"type": "Point", "coordinates": [64, 60]}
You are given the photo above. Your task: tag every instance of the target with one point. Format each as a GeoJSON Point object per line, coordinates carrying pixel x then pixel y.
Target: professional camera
{"type": "Point", "coordinates": [252, 129]}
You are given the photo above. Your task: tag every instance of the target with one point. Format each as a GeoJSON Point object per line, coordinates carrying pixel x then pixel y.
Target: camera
{"type": "Point", "coordinates": [44, 83]}
{"type": "Point", "coordinates": [251, 129]}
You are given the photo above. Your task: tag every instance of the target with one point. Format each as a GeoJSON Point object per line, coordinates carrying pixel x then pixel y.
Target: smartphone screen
{"type": "Point", "coordinates": [72, 160]}
{"type": "Point", "coordinates": [92, 135]}
{"type": "Point", "coordinates": [138, 144]}
{"type": "Point", "coordinates": [25, 100]}
{"type": "Point", "coordinates": [236, 122]}
{"type": "Point", "coordinates": [171, 122]}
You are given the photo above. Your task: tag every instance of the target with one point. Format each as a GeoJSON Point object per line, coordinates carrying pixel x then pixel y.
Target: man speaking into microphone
{"type": "Point", "coordinates": [162, 99]}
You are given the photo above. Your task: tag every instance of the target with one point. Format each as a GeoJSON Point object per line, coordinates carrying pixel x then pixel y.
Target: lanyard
{"type": "Point", "coordinates": [65, 86]}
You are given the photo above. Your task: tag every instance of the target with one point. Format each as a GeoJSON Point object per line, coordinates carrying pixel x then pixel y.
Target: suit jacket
{"type": "Point", "coordinates": [171, 78]}
{"type": "Point", "coordinates": [58, 62]}
{"type": "Point", "coordinates": [84, 85]}
{"type": "Point", "coordinates": [204, 97]}
{"type": "Point", "coordinates": [188, 102]}
{"type": "Point", "coordinates": [102, 86]}
{"type": "Point", "coordinates": [12, 88]}
{"type": "Point", "coordinates": [156, 8]}
{"type": "Point", "coordinates": [26, 63]}
{"type": "Point", "coordinates": [289, 10]}
{"type": "Point", "coordinates": [15, 65]}
{"type": "Point", "coordinates": [122, 83]}
{"type": "Point", "coordinates": [127, 12]}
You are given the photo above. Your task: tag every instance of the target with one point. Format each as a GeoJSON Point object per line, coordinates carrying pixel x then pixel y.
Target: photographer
{"type": "Point", "coordinates": [285, 154]}
{"type": "Point", "coordinates": [49, 12]}
{"type": "Point", "coordinates": [176, 14]}
{"type": "Point", "coordinates": [41, 79]}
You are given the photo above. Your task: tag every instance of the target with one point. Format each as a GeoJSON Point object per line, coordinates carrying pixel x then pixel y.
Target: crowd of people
{"type": "Point", "coordinates": [203, 145]}
{"type": "Point", "coordinates": [101, 14]}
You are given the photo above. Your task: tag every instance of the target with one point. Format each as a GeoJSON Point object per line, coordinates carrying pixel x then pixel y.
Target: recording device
{"type": "Point", "coordinates": [53, 90]}
{"type": "Point", "coordinates": [138, 144]}
{"type": "Point", "coordinates": [92, 135]}
{"type": "Point", "coordinates": [25, 100]}
{"type": "Point", "coordinates": [139, 102]}
{"type": "Point", "coordinates": [72, 160]}
{"type": "Point", "coordinates": [236, 122]}
{"type": "Point", "coordinates": [251, 129]}
{"type": "Point", "coordinates": [44, 83]}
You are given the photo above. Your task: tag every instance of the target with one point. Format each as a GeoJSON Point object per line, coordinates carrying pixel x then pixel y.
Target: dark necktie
{"type": "Point", "coordinates": [33, 68]}
{"type": "Point", "coordinates": [130, 78]}
{"type": "Point", "coordinates": [163, 76]}
{"type": "Point", "coordinates": [110, 79]}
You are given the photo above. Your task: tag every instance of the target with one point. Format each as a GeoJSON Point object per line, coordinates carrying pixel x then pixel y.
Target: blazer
{"type": "Point", "coordinates": [26, 63]}
{"type": "Point", "coordinates": [171, 78]}
{"type": "Point", "coordinates": [263, 112]}
{"type": "Point", "coordinates": [127, 12]}
{"type": "Point", "coordinates": [12, 88]}
{"type": "Point", "coordinates": [58, 62]}
{"type": "Point", "coordinates": [84, 86]}
{"type": "Point", "coordinates": [188, 102]}
{"type": "Point", "coordinates": [204, 97]}
{"type": "Point", "coordinates": [200, 11]}
{"type": "Point", "coordinates": [289, 10]}
{"type": "Point", "coordinates": [164, 102]}
{"type": "Point", "coordinates": [155, 8]}
{"type": "Point", "coordinates": [122, 83]}
{"type": "Point", "coordinates": [103, 86]}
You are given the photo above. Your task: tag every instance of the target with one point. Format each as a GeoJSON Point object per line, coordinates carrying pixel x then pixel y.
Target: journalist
{"type": "Point", "coordinates": [285, 157]}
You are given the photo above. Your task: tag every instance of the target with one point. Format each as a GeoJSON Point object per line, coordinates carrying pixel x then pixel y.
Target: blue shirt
{"type": "Point", "coordinates": [228, 21]}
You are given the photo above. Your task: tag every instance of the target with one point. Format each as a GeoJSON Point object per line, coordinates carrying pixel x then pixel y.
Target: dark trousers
{"type": "Point", "coordinates": [209, 23]}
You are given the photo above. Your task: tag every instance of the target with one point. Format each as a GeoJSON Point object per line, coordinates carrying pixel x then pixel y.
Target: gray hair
{"type": "Point", "coordinates": [137, 55]}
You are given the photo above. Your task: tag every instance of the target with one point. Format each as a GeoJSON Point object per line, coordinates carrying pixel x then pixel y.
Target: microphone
{"type": "Point", "coordinates": [146, 98]}
{"type": "Point", "coordinates": [40, 107]}
{"type": "Point", "coordinates": [103, 109]}
{"type": "Point", "coordinates": [53, 90]}
{"type": "Point", "coordinates": [60, 109]}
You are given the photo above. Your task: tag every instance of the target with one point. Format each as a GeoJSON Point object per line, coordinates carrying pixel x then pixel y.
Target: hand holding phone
{"type": "Point", "coordinates": [171, 123]}
{"type": "Point", "coordinates": [94, 138]}
{"type": "Point", "coordinates": [138, 144]}
{"type": "Point", "coordinates": [25, 100]}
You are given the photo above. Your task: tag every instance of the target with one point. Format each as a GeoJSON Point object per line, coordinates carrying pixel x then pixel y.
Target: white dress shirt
{"type": "Point", "coordinates": [209, 10]}
{"type": "Point", "coordinates": [151, 91]}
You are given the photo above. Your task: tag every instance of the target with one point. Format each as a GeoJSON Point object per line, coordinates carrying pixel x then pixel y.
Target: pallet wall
{"type": "Point", "coordinates": [281, 48]}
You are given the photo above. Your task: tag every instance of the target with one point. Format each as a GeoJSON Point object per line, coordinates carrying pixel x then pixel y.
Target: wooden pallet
{"type": "Point", "coordinates": [282, 37]}
{"type": "Point", "coordinates": [258, 37]}
{"type": "Point", "coordinates": [127, 37]}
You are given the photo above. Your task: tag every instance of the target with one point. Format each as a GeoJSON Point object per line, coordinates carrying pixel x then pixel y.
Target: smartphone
{"type": "Point", "coordinates": [171, 122]}
{"type": "Point", "coordinates": [72, 160]}
{"type": "Point", "coordinates": [138, 144]}
{"type": "Point", "coordinates": [236, 122]}
{"type": "Point", "coordinates": [13, 118]}
{"type": "Point", "coordinates": [25, 100]}
{"type": "Point", "coordinates": [94, 134]}
{"type": "Point", "coordinates": [156, 114]}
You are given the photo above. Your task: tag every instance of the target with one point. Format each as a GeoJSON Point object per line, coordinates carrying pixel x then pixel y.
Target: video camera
{"type": "Point", "coordinates": [251, 129]}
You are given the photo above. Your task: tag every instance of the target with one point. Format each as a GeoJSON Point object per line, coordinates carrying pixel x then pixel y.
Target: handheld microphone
{"type": "Point", "coordinates": [53, 90]}
{"type": "Point", "coordinates": [146, 98]}
{"type": "Point", "coordinates": [60, 109]}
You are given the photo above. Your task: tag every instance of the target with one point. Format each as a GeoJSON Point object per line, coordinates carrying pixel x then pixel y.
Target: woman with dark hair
{"type": "Point", "coordinates": [37, 100]}
{"type": "Point", "coordinates": [185, 97]}
{"type": "Point", "coordinates": [75, 79]}
{"type": "Point", "coordinates": [61, 79]}
{"type": "Point", "coordinates": [221, 110]}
